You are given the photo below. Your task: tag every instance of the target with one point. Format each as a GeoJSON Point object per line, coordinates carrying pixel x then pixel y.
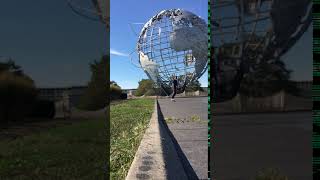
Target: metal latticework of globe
{"type": "Point", "coordinates": [96, 10]}
{"type": "Point", "coordinates": [173, 43]}
{"type": "Point", "coordinates": [247, 33]}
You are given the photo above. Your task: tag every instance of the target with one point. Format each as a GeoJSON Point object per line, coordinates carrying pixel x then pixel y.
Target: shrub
{"type": "Point", "coordinates": [151, 92]}
{"type": "Point", "coordinates": [43, 109]}
{"type": "Point", "coordinates": [115, 92]}
{"type": "Point", "coordinates": [96, 95]}
{"type": "Point", "coordinates": [194, 86]}
{"type": "Point", "coordinates": [17, 92]}
{"type": "Point", "coordinates": [93, 99]}
{"type": "Point", "coordinates": [144, 86]}
{"type": "Point", "coordinates": [123, 96]}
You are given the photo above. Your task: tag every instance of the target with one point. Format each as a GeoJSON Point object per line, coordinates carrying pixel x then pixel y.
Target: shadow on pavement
{"type": "Point", "coordinates": [185, 163]}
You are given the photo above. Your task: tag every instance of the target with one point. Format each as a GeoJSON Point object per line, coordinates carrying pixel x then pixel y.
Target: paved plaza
{"type": "Point", "coordinates": [187, 120]}
{"type": "Point", "coordinates": [244, 144]}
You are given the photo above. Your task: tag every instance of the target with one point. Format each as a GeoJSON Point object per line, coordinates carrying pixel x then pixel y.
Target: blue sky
{"type": "Point", "coordinates": [123, 39]}
{"type": "Point", "coordinates": [123, 16]}
{"type": "Point", "coordinates": [54, 45]}
{"type": "Point", "coordinates": [51, 43]}
{"type": "Point", "coordinates": [299, 58]}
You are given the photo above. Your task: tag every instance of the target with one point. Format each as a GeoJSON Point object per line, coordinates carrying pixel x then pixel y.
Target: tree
{"type": "Point", "coordinates": [113, 83]}
{"type": "Point", "coordinates": [144, 86]}
{"type": "Point", "coordinates": [194, 86]}
{"type": "Point", "coordinates": [17, 93]}
{"type": "Point", "coordinates": [96, 95]}
{"type": "Point", "coordinates": [11, 66]}
{"type": "Point", "coordinates": [267, 79]}
{"type": "Point", "coordinates": [115, 90]}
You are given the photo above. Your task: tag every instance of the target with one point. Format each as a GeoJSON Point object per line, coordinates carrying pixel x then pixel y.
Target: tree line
{"type": "Point", "coordinates": [17, 92]}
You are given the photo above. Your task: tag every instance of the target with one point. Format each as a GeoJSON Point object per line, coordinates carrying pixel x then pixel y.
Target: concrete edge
{"type": "Point", "coordinates": [156, 157]}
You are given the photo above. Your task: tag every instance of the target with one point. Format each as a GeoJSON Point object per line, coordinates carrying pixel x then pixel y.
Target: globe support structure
{"type": "Point", "coordinates": [246, 33]}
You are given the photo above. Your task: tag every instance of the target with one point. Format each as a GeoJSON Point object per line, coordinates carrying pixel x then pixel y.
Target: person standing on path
{"type": "Point", "coordinates": [174, 88]}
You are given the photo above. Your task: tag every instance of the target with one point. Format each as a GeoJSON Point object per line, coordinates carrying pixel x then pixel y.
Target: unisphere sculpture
{"type": "Point", "coordinates": [173, 43]}
{"type": "Point", "coordinates": [247, 33]}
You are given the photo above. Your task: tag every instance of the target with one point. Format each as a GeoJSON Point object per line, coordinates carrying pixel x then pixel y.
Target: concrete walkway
{"type": "Point", "coordinates": [247, 143]}
{"type": "Point", "coordinates": [156, 157]}
{"type": "Point", "coordinates": [187, 121]}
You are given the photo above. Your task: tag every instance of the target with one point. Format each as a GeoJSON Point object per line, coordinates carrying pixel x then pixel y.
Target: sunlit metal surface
{"type": "Point", "coordinates": [173, 43]}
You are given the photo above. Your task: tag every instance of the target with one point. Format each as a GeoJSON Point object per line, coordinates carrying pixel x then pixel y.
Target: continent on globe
{"type": "Point", "coordinates": [150, 67]}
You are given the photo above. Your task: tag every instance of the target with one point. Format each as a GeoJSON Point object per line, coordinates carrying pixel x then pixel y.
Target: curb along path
{"type": "Point", "coordinates": [187, 122]}
{"type": "Point", "coordinates": [156, 157]}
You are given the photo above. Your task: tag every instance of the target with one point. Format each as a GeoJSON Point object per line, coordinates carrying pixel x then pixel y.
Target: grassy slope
{"type": "Point", "coordinates": [76, 151]}
{"type": "Point", "coordinates": [129, 120]}
{"type": "Point", "coordinates": [69, 152]}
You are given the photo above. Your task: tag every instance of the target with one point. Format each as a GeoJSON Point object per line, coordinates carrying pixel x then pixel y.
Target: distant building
{"type": "Point", "coordinates": [56, 94]}
{"type": "Point", "coordinates": [305, 85]}
{"type": "Point", "coordinates": [130, 92]}
{"type": "Point", "coordinates": [205, 89]}
{"type": "Point", "coordinates": [305, 88]}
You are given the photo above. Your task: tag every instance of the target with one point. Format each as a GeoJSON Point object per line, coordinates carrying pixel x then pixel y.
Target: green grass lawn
{"type": "Point", "coordinates": [129, 120]}
{"type": "Point", "coordinates": [73, 151]}
{"type": "Point", "coordinates": [78, 151]}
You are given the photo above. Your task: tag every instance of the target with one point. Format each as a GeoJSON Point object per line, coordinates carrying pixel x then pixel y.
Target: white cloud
{"type": "Point", "coordinates": [118, 53]}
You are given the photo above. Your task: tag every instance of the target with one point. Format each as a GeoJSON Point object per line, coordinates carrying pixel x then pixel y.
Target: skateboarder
{"type": "Point", "coordinates": [174, 87]}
